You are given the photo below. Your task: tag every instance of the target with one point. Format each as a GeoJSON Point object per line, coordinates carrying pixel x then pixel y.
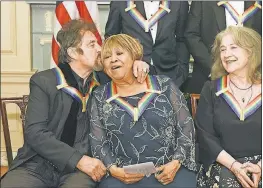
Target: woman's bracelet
{"type": "Point", "coordinates": [232, 165]}
{"type": "Point", "coordinates": [109, 166]}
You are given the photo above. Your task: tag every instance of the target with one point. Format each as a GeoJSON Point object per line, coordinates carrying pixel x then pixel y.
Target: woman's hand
{"type": "Point", "coordinates": [168, 173]}
{"type": "Point", "coordinates": [255, 170]}
{"type": "Point", "coordinates": [140, 70]}
{"type": "Point", "coordinates": [241, 174]}
{"type": "Point", "coordinates": [119, 173]}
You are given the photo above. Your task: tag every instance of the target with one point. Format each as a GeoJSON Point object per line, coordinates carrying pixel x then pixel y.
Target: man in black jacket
{"type": "Point", "coordinates": [206, 19]}
{"type": "Point", "coordinates": [160, 27]}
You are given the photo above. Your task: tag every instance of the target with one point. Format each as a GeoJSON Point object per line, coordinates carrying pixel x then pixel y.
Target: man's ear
{"type": "Point", "coordinates": [72, 52]}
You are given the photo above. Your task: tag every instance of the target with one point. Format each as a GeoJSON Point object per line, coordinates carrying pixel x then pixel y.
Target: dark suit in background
{"type": "Point", "coordinates": [206, 19]}
{"type": "Point", "coordinates": [169, 53]}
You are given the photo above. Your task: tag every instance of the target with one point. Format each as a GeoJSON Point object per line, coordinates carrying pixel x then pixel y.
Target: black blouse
{"type": "Point", "coordinates": [221, 125]}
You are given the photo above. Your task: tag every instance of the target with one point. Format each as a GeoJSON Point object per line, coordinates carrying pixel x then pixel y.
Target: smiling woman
{"type": "Point", "coordinates": [239, 44]}
{"type": "Point", "coordinates": [118, 54]}
{"type": "Point", "coordinates": [134, 122]}
{"type": "Point", "coordinates": [229, 113]}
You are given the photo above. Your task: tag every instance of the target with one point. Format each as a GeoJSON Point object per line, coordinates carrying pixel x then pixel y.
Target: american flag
{"type": "Point", "coordinates": [68, 10]}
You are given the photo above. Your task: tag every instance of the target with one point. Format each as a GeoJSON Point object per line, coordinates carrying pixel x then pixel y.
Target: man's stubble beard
{"type": "Point", "coordinates": [98, 65]}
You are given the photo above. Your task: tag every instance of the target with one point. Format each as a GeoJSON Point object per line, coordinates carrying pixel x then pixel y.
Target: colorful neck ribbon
{"type": "Point", "coordinates": [73, 92]}
{"type": "Point", "coordinates": [242, 114]}
{"type": "Point", "coordinates": [241, 18]}
{"type": "Point", "coordinates": [135, 112]}
{"type": "Point", "coordinates": [147, 24]}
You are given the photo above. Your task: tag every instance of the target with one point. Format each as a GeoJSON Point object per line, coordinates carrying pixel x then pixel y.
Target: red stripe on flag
{"type": "Point", "coordinates": [62, 17]}
{"type": "Point", "coordinates": [55, 49]}
{"type": "Point", "coordinates": [84, 13]}
{"type": "Point", "coordinates": [62, 14]}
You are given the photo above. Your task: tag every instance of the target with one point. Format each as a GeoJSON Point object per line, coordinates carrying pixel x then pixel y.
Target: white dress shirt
{"type": "Point", "coordinates": [239, 7]}
{"type": "Point", "coordinates": [151, 7]}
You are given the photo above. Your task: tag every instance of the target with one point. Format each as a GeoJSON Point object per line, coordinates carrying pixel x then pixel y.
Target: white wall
{"type": "Point", "coordinates": [16, 66]}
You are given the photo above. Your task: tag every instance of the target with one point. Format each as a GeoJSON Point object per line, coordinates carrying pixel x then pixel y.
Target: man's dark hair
{"type": "Point", "coordinates": [70, 35]}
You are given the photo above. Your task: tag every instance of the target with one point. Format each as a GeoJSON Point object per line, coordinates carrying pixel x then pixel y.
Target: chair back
{"type": "Point", "coordinates": [194, 103]}
{"type": "Point", "coordinates": [21, 102]}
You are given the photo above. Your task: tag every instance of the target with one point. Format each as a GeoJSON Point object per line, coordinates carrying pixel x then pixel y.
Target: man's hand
{"type": "Point", "coordinates": [169, 171]}
{"type": "Point", "coordinates": [92, 167]}
{"type": "Point", "coordinates": [124, 177]}
{"type": "Point", "coordinates": [240, 172]}
{"type": "Point", "coordinates": [255, 170]}
{"type": "Point", "coordinates": [140, 70]}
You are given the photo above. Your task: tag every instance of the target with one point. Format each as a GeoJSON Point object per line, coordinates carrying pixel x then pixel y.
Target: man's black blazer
{"type": "Point", "coordinates": [169, 53]}
{"type": "Point", "coordinates": [205, 20]}
{"type": "Point", "coordinates": [47, 112]}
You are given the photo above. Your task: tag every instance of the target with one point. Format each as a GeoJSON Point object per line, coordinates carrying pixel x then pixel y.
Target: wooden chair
{"type": "Point", "coordinates": [21, 102]}
{"type": "Point", "coordinates": [194, 102]}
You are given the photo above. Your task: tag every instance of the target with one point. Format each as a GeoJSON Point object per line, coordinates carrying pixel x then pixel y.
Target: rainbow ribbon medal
{"type": "Point", "coordinates": [73, 92]}
{"type": "Point", "coordinates": [242, 114]}
{"type": "Point", "coordinates": [241, 18]}
{"type": "Point", "coordinates": [147, 24]}
{"type": "Point", "coordinates": [134, 112]}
